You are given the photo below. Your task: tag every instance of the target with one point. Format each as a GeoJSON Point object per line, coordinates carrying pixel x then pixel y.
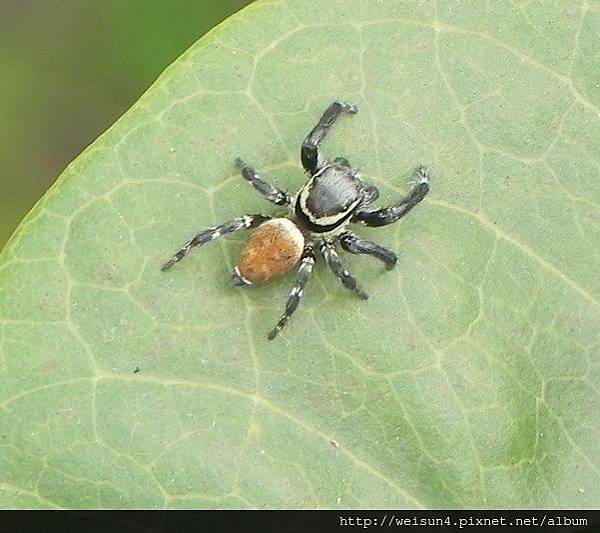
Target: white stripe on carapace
{"type": "Point", "coordinates": [326, 220]}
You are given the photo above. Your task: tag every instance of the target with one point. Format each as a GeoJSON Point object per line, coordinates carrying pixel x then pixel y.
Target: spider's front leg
{"type": "Point", "coordinates": [389, 215]}
{"type": "Point", "coordinates": [311, 158]}
{"type": "Point", "coordinates": [307, 262]}
{"type": "Point", "coordinates": [270, 192]}
{"type": "Point", "coordinates": [243, 222]}
{"type": "Point", "coordinates": [335, 264]}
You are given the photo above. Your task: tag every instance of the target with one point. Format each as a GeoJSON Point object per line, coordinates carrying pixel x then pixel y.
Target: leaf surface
{"type": "Point", "coordinates": [469, 379]}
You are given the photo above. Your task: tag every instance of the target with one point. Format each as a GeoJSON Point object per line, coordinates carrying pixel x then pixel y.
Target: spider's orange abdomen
{"type": "Point", "coordinates": [272, 250]}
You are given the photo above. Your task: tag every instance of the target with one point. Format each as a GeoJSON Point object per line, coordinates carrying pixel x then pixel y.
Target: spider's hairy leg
{"type": "Point", "coordinates": [355, 245]}
{"type": "Point", "coordinates": [311, 159]}
{"type": "Point", "coordinates": [304, 271]}
{"type": "Point", "coordinates": [389, 215]}
{"type": "Point", "coordinates": [270, 192]}
{"type": "Point", "coordinates": [238, 223]}
{"type": "Point", "coordinates": [335, 264]}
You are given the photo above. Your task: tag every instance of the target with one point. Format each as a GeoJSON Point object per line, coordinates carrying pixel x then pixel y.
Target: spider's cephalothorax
{"type": "Point", "coordinates": [334, 196]}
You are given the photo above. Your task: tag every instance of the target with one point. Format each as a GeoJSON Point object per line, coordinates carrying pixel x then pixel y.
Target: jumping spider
{"type": "Point", "coordinates": [334, 196]}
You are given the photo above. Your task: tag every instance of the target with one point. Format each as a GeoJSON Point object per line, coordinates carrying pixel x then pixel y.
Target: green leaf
{"type": "Point", "coordinates": [470, 378]}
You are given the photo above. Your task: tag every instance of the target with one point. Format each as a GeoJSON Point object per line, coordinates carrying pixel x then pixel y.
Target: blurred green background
{"type": "Point", "coordinates": [69, 69]}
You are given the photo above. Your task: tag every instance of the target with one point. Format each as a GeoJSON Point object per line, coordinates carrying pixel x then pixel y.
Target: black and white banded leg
{"type": "Point", "coordinates": [270, 192]}
{"type": "Point", "coordinates": [389, 215]}
{"type": "Point", "coordinates": [355, 245]}
{"type": "Point", "coordinates": [335, 264]}
{"type": "Point", "coordinates": [307, 262]}
{"type": "Point", "coordinates": [243, 222]}
{"type": "Point", "coordinates": [311, 159]}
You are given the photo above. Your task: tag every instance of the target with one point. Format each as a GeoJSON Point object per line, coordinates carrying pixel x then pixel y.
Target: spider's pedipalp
{"type": "Point", "coordinates": [370, 194]}
{"type": "Point", "coordinates": [389, 215]}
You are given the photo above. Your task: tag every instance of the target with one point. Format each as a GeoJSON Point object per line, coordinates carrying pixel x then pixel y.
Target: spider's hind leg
{"type": "Point", "coordinates": [243, 222]}
{"type": "Point", "coordinates": [304, 271]}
